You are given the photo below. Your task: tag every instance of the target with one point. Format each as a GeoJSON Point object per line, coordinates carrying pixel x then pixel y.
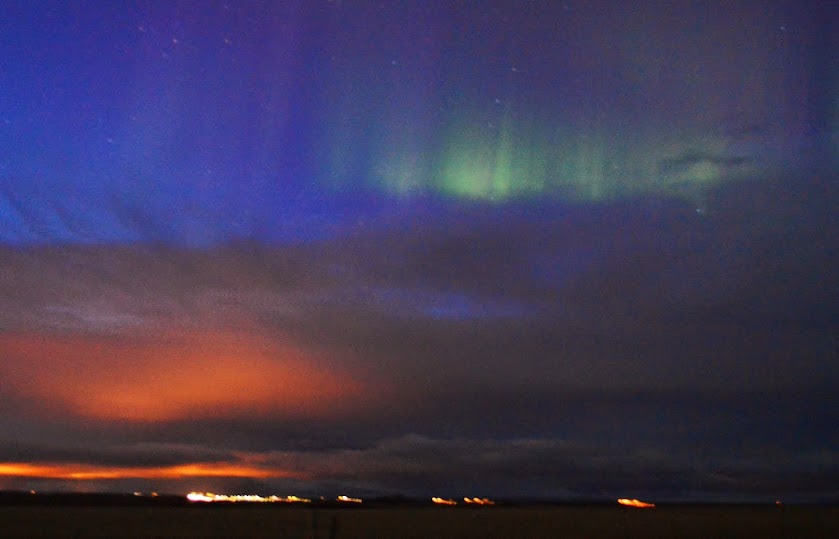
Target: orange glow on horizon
{"type": "Point", "coordinates": [83, 472]}
{"type": "Point", "coordinates": [176, 376]}
{"type": "Point", "coordinates": [443, 501]}
{"type": "Point", "coordinates": [634, 503]}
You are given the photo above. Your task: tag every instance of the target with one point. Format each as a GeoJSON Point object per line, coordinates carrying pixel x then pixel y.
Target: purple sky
{"type": "Point", "coordinates": [553, 249]}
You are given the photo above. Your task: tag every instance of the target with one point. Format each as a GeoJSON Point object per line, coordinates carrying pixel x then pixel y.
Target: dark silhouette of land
{"type": "Point", "coordinates": [23, 514]}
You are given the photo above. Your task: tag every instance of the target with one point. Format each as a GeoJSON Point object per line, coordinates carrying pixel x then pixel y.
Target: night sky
{"type": "Point", "coordinates": [580, 249]}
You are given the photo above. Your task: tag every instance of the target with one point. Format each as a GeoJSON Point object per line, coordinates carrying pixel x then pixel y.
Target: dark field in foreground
{"type": "Point", "coordinates": [497, 522]}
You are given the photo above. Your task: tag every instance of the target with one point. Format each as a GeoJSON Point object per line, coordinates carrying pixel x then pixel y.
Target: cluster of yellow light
{"type": "Point", "coordinates": [251, 498]}
{"type": "Point", "coordinates": [87, 471]}
{"type": "Point", "coordinates": [254, 498]}
{"type": "Point", "coordinates": [443, 501]}
{"type": "Point", "coordinates": [479, 501]}
{"type": "Point", "coordinates": [634, 503]}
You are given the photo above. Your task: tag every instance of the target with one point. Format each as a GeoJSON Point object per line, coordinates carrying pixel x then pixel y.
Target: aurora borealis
{"type": "Point", "coordinates": [546, 249]}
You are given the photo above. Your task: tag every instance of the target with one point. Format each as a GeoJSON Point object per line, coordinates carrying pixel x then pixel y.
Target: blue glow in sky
{"type": "Point", "coordinates": [366, 233]}
{"type": "Point", "coordinates": [198, 126]}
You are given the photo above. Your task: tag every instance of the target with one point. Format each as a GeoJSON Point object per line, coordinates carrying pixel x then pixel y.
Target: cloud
{"type": "Point", "coordinates": [420, 465]}
{"type": "Point", "coordinates": [587, 296]}
{"type": "Point", "coordinates": [142, 454]}
{"type": "Point", "coordinates": [175, 375]}
{"type": "Point", "coordinates": [540, 349]}
{"type": "Point", "coordinates": [555, 467]}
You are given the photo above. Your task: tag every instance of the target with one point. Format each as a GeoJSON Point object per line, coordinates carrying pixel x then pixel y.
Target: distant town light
{"type": "Point", "coordinates": [479, 501]}
{"type": "Point", "coordinates": [249, 498]}
{"type": "Point", "coordinates": [635, 503]}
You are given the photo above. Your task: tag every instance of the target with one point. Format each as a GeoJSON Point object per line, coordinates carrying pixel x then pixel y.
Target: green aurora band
{"type": "Point", "coordinates": [588, 165]}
